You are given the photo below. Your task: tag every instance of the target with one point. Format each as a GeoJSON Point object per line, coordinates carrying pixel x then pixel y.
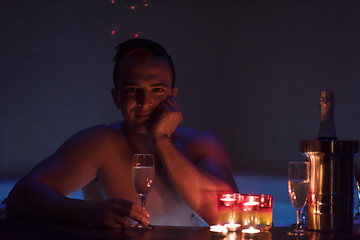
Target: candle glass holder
{"type": "Point", "coordinates": [229, 208]}
{"type": "Point", "coordinates": [257, 211]}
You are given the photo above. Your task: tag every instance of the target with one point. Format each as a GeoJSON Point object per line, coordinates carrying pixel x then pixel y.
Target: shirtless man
{"type": "Point", "coordinates": [191, 166]}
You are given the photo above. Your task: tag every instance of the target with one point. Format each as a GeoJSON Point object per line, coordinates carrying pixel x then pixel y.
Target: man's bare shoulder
{"type": "Point", "coordinates": [103, 130]}
{"type": "Point", "coordinates": [97, 136]}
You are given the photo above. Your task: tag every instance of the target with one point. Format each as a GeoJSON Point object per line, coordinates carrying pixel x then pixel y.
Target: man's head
{"type": "Point", "coordinates": [135, 45]}
{"type": "Point", "coordinates": [144, 79]}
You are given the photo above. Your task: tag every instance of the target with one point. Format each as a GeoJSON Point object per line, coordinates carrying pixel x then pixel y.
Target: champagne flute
{"type": "Point", "coordinates": [357, 180]}
{"type": "Point", "coordinates": [143, 173]}
{"type": "Point", "coordinates": [298, 186]}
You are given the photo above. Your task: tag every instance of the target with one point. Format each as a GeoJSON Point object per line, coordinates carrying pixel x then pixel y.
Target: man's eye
{"type": "Point", "coordinates": [131, 89]}
{"type": "Point", "coordinates": [158, 90]}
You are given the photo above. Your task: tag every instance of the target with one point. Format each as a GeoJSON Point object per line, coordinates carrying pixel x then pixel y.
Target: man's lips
{"type": "Point", "coordinates": [143, 115]}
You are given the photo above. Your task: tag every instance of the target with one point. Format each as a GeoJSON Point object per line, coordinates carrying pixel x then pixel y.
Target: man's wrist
{"type": "Point", "coordinates": [159, 137]}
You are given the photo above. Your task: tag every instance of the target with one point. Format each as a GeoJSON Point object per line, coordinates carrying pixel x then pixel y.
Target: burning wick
{"type": "Point", "coordinates": [228, 201]}
{"type": "Point", "coordinates": [251, 230]}
{"type": "Point", "coordinates": [251, 202]}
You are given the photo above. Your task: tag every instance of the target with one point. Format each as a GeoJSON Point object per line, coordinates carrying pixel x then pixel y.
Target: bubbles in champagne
{"type": "Point", "coordinates": [148, 182]}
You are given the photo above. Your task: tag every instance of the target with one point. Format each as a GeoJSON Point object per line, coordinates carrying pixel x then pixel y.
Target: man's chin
{"type": "Point", "coordinates": [144, 131]}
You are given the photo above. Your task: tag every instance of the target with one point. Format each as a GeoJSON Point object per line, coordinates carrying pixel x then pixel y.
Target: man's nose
{"type": "Point", "coordinates": [144, 98]}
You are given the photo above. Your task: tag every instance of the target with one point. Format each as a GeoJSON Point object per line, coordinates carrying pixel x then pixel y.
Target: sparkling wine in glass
{"type": "Point", "coordinates": [143, 174]}
{"type": "Point", "coordinates": [298, 186]}
{"type": "Point", "coordinates": [357, 191]}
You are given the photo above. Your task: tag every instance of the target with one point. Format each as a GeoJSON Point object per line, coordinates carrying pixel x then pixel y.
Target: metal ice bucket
{"type": "Point", "coordinates": [331, 193]}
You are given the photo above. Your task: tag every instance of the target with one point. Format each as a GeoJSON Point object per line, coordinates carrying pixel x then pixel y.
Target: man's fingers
{"type": "Point", "coordinates": [170, 104]}
{"type": "Point", "coordinates": [139, 214]}
{"type": "Point", "coordinates": [133, 211]}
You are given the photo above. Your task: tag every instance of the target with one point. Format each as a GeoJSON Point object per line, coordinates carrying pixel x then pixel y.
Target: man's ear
{"type": "Point", "coordinates": [175, 91]}
{"type": "Point", "coordinates": [114, 95]}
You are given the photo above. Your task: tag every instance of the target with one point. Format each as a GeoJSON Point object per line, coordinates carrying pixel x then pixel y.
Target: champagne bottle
{"type": "Point", "coordinates": [327, 123]}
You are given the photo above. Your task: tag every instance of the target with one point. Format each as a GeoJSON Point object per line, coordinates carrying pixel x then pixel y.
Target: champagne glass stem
{"type": "Point", "coordinates": [298, 215]}
{"type": "Point", "coordinates": [143, 201]}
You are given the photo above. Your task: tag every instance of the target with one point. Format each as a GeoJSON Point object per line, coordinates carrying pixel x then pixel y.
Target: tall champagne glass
{"type": "Point", "coordinates": [143, 173]}
{"type": "Point", "coordinates": [298, 186]}
{"type": "Point", "coordinates": [357, 180]}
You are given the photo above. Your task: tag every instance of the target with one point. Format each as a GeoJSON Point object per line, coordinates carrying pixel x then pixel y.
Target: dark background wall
{"type": "Point", "coordinates": [250, 70]}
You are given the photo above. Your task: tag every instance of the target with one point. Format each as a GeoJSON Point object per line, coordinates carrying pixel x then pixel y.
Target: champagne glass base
{"type": "Point", "coordinates": [142, 226]}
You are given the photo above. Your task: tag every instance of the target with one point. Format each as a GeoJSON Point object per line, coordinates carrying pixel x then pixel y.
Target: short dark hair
{"type": "Point", "coordinates": [154, 48]}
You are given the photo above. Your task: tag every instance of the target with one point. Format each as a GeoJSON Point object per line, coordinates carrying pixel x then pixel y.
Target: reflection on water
{"type": "Point", "coordinates": [266, 235]}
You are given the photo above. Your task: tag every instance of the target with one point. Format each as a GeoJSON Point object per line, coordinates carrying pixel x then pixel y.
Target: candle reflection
{"type": "Point", "coordinates": [231, 236]}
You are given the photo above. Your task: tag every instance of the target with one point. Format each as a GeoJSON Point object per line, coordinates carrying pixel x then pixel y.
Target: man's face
{"type": "Point", "coordinates": [143, 84]}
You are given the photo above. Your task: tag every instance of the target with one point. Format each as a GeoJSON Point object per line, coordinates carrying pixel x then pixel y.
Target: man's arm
{"type": "Point", "coordinates": [198, 183]}
{"type": "Point", "coordinates": [42, 193]}
{"type": "Point", "coordinates": [32, 199]}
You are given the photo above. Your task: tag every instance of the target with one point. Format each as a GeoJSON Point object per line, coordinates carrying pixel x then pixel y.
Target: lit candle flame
{"type": "Point", "coordinates": [232, 227]}
{"type": "Point", "coordinates": [251, 202]}
{"type": "Point", "coordinates": [228, 200]}
{"type": "Point", "coordinates": [219, 229]}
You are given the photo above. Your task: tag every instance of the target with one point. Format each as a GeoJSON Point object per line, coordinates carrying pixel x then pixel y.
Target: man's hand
{"type": "Point", "coordinates": [168, 117]}
{"type": "Point", "coordinates": [115, 212]}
